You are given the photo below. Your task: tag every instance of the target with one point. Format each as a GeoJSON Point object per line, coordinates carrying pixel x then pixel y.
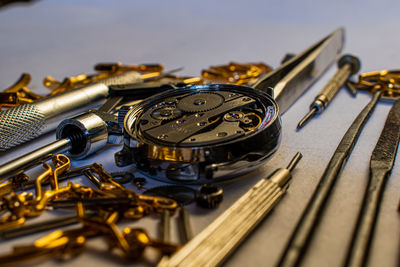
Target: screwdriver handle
{"type": "Point", "coordinates": [26, 122]}
{"type": "Point", "coordinates": [222, 236]}
{"type": "Point", "coordinates": [348, 65]}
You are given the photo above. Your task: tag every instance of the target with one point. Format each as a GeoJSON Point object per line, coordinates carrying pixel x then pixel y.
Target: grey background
{"type": "Point", "coordinates": [63, 38]}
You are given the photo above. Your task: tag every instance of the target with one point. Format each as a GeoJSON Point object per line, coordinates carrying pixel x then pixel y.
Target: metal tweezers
{"type": "Point", "coordinates": [288, 82]}
{"type": "Point", "coordinates": [296, 75]}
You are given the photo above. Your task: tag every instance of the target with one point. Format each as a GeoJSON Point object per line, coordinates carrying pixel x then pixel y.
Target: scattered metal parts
{"type": "Point", "coordinates": [119, 67]}
{"type": "Point", "coordinates": [18, 93]}
{"type": "Point", "coordinates": [386, 81]}
{"type": "Point", "coordinates": [209, 196]}
{"type": "Point", "coordinates": [381, 164]}
{"type": "Point", "coordinates": [348, 65]}
{"type": "Point", "coordinates": [301, 237]}
{"type": "Point", "coordinates": [224, 234]}
{"type": "Point", "coordinates": [235, 73]}
{"type": "Point", "coordinates": [130, 243]}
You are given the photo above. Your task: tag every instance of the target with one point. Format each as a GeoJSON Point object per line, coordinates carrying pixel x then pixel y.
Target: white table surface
{"type": "Point", "coordinates": [63, 38]}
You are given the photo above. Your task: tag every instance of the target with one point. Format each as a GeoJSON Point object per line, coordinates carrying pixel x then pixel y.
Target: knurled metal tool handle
{"type": "Point", "coordinates": [222, 236]}
{"type": "Point", "coordinates": [26, 122]}
{"type": "Point", "coordinates": [348, 65]}
{"type": "Point", "coordinates": [334, 84]}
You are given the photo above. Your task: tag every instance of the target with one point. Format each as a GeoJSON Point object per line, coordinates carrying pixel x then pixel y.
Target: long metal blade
{"type": "Point", "coordinates": [295, 76]}
{"type": "Point", "coordinates": [381, 164]}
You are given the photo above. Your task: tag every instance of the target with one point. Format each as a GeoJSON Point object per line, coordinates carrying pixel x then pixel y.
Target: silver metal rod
{"type": "Point", "coordinates": [26, 122]}
{"type": "Point", "coordinates": [185, 227]}
{"type": "Point", "coordinates": [17, 165]}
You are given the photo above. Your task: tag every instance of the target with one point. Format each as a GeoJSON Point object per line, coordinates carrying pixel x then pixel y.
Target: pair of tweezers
{"type": "Point", "coordinates": [288, 82]}
{"type": "Point", "coordinates": [296, 75]}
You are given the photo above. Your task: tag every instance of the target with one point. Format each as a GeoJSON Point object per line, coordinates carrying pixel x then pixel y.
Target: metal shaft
{"type": "Point", "coordinates": [213, 245]}
{"type": "Point", "coordinates": [26, 122]}
{"type": "Point", "coordinates": [17, 165]}
{"type": "Point", "coordinates": [301, 237]}
{"type": "Point", "coordinates": [381, 164]}
{"type": "Point", "coordinates": [348, 65]}
{"type": "Point", "coordinates": [185, 227]}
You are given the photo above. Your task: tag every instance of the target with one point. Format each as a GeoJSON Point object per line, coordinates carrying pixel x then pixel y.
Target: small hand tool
{"type": "Point", "coordinates": [223, 235]}
{"type": "Point", "coordinates": [170, 134]}
{"type": "Point", "coordinates": [81, 135]}
{"type": "Point", "coordinates": [381, 164]}
{"type": "Point", "coordinates": [298, 73]}
{"type": "Point", "coordinates": [301, 237]}
{"type": "Point", "coordinates": [348, 65]}
{"type": "Point", "coordinates": [23, 123]}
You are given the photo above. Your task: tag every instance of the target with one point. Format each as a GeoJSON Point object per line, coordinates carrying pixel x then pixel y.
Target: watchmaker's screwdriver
{"type": "Point", "coordinates": [348, 65]}
{"type": "Point", "coordinates": [213, 245]}
{"type": "Point", "coordinates": [80, 135]}
{"type": "Point", "coordinates": [26, 122]}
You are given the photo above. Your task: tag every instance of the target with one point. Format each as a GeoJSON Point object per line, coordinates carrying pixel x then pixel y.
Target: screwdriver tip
{"type": "Point", "coordinates": [294, 161]}
{"type": "Point", "coordinates": [306, 118]}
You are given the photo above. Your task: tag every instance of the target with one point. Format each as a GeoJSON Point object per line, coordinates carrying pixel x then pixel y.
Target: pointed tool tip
{"type": "Point", "coordinates": [299, 126]}
{"type": "Point", "coordinates": [306, 119]}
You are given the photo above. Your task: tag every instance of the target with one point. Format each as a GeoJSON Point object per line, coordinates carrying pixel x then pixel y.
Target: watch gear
{"type": "Point", "coordinates": [200, 102]}
{"type": "Point", "coordinates": [222, 131]}
{"type": "Point", "coordinates": [166, 113]}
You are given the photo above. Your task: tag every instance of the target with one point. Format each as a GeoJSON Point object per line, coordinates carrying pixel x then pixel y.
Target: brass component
{"type": "Point", "coordinates": [106, 70]}
{"type": "Point", "coordinates": [62, 164]}
{"type": "Point", "coordinates": [387, 81]}
{"type": "Point", "coordinates": [130, 243]}
{"type": "Point", "coordinates": [59, 243]}
{"type": "Point", "coordinates": [41, 179]}
{"type": "Point", "coordinates": [235, 73]}
{"type": "Point", "coordinates": [23, 81]}
{"type": "Point", "coordinates": [18, 93]}
{"type": "Point", "coordinates": [171, 154]}
{"type": "Point", "coordinates": [232, 73]}
{"type": "Point", "coordinates": [72, 82]}
{"type": "Point", "coordinates": [15, 182]}
{"type": "Point", "coordinates": [119, 67]}
{"type": "Point", "coordinates": [159, 204]}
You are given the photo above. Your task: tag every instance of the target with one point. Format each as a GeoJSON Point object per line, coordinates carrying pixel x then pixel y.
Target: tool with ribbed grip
{"type": "Point", "coordinates": [222, 236]}
{"type": "Point", "coordinates": [348, 65]}
{"type": "Point", "coordinates": [23, 123]}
